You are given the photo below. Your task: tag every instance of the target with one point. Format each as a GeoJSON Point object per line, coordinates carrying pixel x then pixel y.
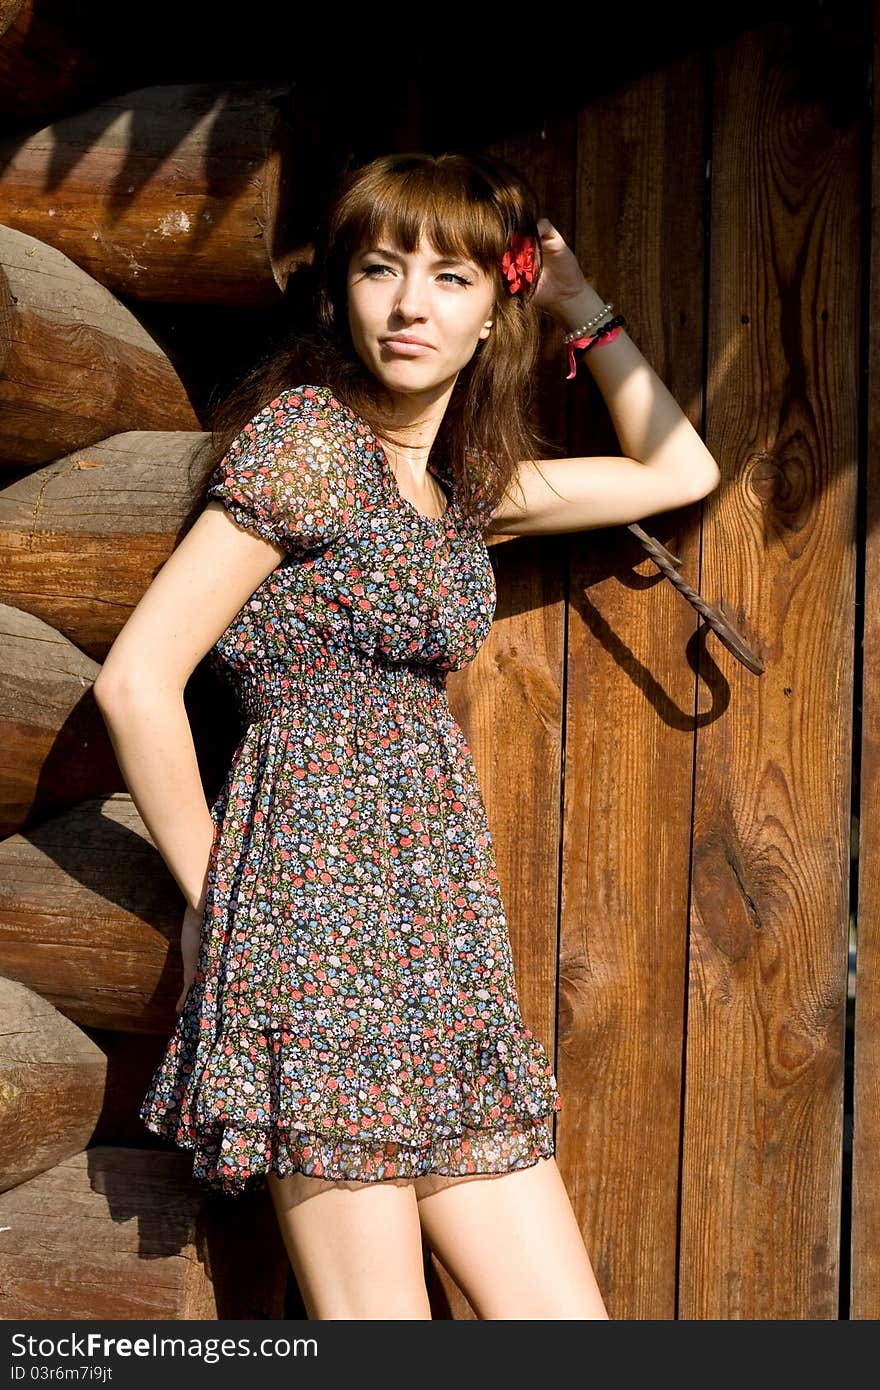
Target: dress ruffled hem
{"type": "Point", "coordinates": [232, 1161]}
{"type": "Point", "coordinates": [369, 1108]}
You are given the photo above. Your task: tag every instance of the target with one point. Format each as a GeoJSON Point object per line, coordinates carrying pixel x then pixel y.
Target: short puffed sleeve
{"type": "Point", "coordinates": [290, 475]}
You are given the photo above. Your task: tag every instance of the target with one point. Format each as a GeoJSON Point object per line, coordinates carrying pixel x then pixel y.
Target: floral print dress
{"type": "Point", "coordinates": [354, 1013]}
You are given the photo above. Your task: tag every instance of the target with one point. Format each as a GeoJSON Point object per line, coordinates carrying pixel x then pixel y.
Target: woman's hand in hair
{"type": "Point", "coordinates": [561, 277]}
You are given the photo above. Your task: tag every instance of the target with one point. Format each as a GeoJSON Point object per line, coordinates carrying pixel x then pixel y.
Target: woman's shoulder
{"type": "Point", "coordinates": [312, 398]}
{"type": "Point", "coordinates": [292, 474]}
{"type": "Point", "coordinates": [312, 404]}
{"type": "Point", "coordinates": [309, 395]}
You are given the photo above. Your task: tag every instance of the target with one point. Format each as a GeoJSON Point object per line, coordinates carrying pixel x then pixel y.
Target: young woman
{"type": "Point", "coordinates": [349, 1030]}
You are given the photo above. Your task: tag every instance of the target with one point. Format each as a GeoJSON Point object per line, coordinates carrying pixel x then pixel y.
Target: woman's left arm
{"type": "Point", "coordinates": [667, 465]}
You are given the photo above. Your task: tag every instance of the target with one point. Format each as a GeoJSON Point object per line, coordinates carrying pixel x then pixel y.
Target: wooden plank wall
{"type": "Point", "coordinates": [630, 701]}
{"type": "Point", "coordinates": [702, 906]}
{"type": "Point", "coordinates": [763, 1122]}
{"type": "Point", "coordinates": [865, 1236]}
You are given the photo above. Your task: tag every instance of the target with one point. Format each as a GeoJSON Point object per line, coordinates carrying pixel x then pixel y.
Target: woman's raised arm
{"type": "Point", "coordinates": [665, 463]}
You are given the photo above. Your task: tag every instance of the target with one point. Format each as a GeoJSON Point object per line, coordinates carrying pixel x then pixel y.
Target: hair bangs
{"type": "Point", "coordinates": [439, 203]}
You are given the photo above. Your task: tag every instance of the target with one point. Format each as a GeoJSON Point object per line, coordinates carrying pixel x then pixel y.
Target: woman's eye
{"type": "Point", "coordinates": [446, 273]}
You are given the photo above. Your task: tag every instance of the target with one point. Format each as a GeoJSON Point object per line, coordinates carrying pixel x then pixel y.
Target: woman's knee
{"type": "Point", "coordinates": [355, 1247]}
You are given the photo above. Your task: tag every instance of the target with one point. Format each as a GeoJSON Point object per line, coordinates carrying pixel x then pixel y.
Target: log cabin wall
{"type": "Point", "coordinates": [687, 850]}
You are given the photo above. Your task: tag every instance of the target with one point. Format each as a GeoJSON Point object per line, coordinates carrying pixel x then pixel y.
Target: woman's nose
{"type": "Point", "coordinates": [411, 299]}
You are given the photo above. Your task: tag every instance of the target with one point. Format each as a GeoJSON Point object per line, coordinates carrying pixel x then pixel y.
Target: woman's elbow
{"type": "Point", "coordinates": [114, 689]}
{"type": "Point", "coordinates": [709, 481]}
{"type": "Point", "coordinates": [110, 690]}
{"type": "Point", "coordinates": [102, 689]}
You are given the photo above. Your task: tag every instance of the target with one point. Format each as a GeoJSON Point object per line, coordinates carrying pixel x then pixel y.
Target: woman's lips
{"type": "Point", "coordinates": [406, 349]}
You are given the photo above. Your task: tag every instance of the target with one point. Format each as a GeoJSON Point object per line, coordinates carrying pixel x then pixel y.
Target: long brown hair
{"type": "Point", "coordinates": [468, 205]}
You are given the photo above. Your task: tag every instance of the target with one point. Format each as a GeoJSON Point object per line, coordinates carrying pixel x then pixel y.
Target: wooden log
{"type": "Point", "coordinates": [194, 209]}
{"type": "Point", "coordinates": [127, 1234]}
{"type": "Point", "coordinates": [90, 918]}
{"type": "Point", "coordinates": [52, 1079]}
{"type": "Point", "coordinates": [82, 538]}
{"type": "Point", "coordinates": [54, 747]}
{"type": "Point", "coordinates": [75, 365]}
{"type": "Point", "coordinates": [132, 1059]}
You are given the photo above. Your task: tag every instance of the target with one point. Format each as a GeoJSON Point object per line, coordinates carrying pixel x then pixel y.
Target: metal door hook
{"type": "Point", "coordinates": [715, 615]}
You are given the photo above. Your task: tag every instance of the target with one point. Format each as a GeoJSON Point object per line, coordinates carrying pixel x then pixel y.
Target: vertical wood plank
{"type": "Point", "coordinates": [629, 714]}
{"type": "Point", "coordinates": [865, 1247]}
{"type": "Point", "coordinates": [760, 1225]}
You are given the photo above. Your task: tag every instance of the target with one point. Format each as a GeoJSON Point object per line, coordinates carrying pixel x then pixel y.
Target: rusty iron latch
{"type": "Point", "coordinates": [715, 616]}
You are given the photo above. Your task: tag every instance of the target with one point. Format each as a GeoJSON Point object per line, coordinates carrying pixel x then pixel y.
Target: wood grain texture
{"type": "Point", "coordinates": [52, 1080]}
{"type": "Point", "coordinates": [82, 538]}
{"type": "Point", "coordinates": [178, 192]}
{"type": "Point", "coordinates": [865, 1233]}
{"type": "Point", "coordinates": [54, 748]}
{"type": "Point", "coordinates": [90, 918]}
{"type": "Point", "coordinates": [75, 365]}
{"type": "Point", "coordinates": [629, 716]}
{"type": "Point", "coordinates": [131, 1060]}
{"type": "Point", "coordinates": [760, 1229]}
{"type": "Point", "coordinates": [128, 1234]}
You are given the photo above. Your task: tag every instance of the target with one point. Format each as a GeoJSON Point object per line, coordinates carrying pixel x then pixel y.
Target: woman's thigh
{"type": "Point", "coordinates": [356, 1248]}
{"type": "Point", "coordinates": [512, 1243]}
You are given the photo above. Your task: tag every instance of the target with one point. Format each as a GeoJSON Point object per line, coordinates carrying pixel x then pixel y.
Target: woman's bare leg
{"type": "Point", "coordinates": [355, 1248]}
{"type": "Point", "coordinates": [512, 1243]}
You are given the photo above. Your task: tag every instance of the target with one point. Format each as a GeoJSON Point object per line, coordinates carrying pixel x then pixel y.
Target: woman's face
{"type": "Point", "coordinates": [448, 306]}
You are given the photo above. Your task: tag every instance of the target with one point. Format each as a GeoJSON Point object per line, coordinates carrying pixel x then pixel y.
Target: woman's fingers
{"type": "Point", "coordinates": [178, 1007]}
{"type": "Point", "coordinates": [547, 230]}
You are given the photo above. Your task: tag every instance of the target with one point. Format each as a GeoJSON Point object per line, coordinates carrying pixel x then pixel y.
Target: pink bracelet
{"type": "Point", "coordinates": [585, 342]}
{"type": "Point", "coordinates": [605, 333]}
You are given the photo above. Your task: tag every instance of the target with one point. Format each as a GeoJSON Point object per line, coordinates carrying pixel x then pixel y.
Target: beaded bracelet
{"type": "Point", "coordinates": [607, 332]}
{"type": "Point", "coordinates": [585, 327]}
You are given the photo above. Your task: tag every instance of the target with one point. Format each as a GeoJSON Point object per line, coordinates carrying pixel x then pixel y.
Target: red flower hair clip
{"type": "Point", "coordinates": [518, 263]}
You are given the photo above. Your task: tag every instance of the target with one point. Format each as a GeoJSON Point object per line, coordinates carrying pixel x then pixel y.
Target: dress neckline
{"type": "Point", "coordinates": [446, 521]}
{"type": "Point", "coordinates": [443, 520]}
